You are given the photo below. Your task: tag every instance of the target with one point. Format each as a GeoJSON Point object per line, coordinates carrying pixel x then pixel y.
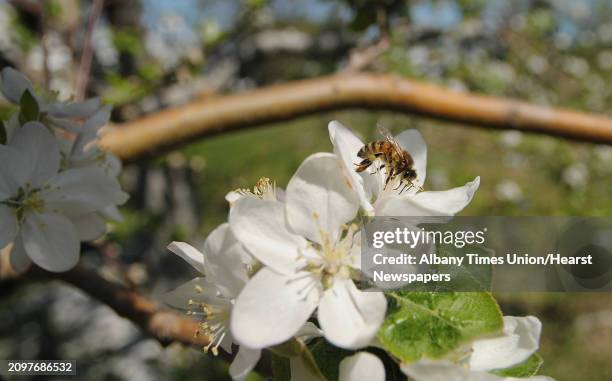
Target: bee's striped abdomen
{"type": "Point", "coordinates": [372, 148]}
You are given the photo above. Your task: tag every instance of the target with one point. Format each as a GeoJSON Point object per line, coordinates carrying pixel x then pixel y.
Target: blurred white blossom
{"type": "Point", "coordinates": [508, 190]}
{"type": "Point", "coordinates": [576, 175]}
{"type": "Point", "coordinates": [56, 186]}
{"type": "Point", "coordinates": [39, 205]}
{"type": "Point", "coordinates": [511, 138]}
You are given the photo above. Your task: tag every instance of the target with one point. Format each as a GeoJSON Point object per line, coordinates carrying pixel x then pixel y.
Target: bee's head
{"type": "Point", "coordinates": [410, 175]}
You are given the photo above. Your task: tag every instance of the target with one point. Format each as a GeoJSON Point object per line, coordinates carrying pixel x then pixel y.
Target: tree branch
{"type": "Point", "coordinates": [169, 128]}
{"type": "Point", "coordinates": [87, 55]}
{"type": "Point", "coordinates": [164, 325]}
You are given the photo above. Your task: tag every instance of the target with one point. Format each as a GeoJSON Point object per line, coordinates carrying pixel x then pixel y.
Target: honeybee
{"type": "Point", "coordinates": [395, 159]}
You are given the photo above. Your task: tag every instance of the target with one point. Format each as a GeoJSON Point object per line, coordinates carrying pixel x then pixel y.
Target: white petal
{"type": "Point", "coordinates": [18, 257]}
{"type": "Point", "coordinates": [8, 225]}
{"type": "Point", "coordinates": [73, 109]}
{"type": "Point", "coordinates": [12, 126]}
{"type": "Point", "coordinates": [308, 332]}
{"type": "Point", "coordinates": [448, 202]}
{"type": "Point", "coordinates": [224, 265]}
{"type": "Point", "coordinates": [272, 308]}
{"type": "Point", "coordinates": [64, 124]}
{"type": "Point", "coordinates": [346, 145]}
{"type": "Point", "coordinates": [320, 198]}
{"type": "Point", "coordinates": [190, 254]}
{"type": "Point", "coordinates": [361, 366]}
{"type": "Point", "coordinates": [13, 84]}
{"type": "Point", "coordinates": [111, 212]}
{"type": "Point", "coordinates": [413, 142]}
{"type": "Point", "coordinates": [260, 226]}
{"type": "Point", "coordinates": [198, 290]}
{"type": "Point", "coordinates": [89, 132]}
{"type": "Point", "coordinates": [350, 318]}
{"type": "Point", "coordinates": [112, 164]}
{"type": "Point", "coordinates": [39, 146]}
{"type": "Point", "coordinates": [444, 370]}
{"type": "Point", "coordinates": [520, 340]}
{"type": "Point", "coordinates": [51, 241]}
{"type": "Point", "coordinates": [15, 173]}
{"type": "Point", "coordinates": [244, 362]}
{"type": "Point", "coordinates": [231, 197]}
{"type": "Point", "coordinates": [99, 119]}
{"type": "Point", "coordinates": [397, 206]}
{"type": "Point", "coordinates": [227, 341]}
{"type": "Point", "coordinates": [438, 203]}
{"type": "Point", "coordinates": [90, 226]}
{"type": "Point", "coordinates": [80, 191]}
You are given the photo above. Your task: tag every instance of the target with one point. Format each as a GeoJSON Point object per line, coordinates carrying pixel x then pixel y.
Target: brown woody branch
{"type": "Point", "coordinates": [166, 326]}
{"type": "Point", "coordinates": [169, 128]}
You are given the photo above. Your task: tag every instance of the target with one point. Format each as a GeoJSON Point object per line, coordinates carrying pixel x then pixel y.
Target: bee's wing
{"type": "Point", "coordinates": [385, 132]}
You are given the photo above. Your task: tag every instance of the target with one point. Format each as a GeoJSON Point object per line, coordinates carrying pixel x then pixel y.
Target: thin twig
{"type": "Point", "coordinates": [169, 128]}
{"type": "Point", "coordinates": [45, 51]}
{"type": "Point", "coordinates": [360, 59]}
{"type": "Point", "coordinates": [87, 55]}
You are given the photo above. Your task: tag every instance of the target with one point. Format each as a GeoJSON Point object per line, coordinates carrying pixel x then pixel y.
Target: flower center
{"type": "Point", "coordinates": [332, 257]}
{"type": "Point", "coordinates": [27, 200]}
{"type": "Point", "coordinates": [215, 322]}
{"type": "Point", "coordinates": [263, 189]}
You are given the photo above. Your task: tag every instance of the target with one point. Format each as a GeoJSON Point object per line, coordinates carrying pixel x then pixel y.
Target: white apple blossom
{"type": "Point", "coordinates": [377, 200]}
{"type": "Point", "coordinates": [82, 151]}
{"type": "Point", "coordinates": [213, 295]}
{"type": "Point", "coordinates": [53, 114]}
{"type": "Point", "coordinates": [78, 147]}
{"type": "Point", "coordinates": [38, 203]}
{"type": "Point", "coordinates": [310, 259]}
{"type": "Point", "coordinates": [519, 340]}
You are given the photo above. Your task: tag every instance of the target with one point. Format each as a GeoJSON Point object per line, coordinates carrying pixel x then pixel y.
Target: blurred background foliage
{"type": "Point", "coordinates": [153, 54]}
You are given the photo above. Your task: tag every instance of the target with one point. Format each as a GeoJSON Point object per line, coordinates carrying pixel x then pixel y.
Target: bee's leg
{"type": "Point", "coordinates": [365, 163]}
{"type": "Point", "coordinates": [389, 176]}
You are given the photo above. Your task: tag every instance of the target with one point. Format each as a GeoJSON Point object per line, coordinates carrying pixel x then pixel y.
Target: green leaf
{"type": "Point", "coordinates": [433, 324]}
{"type": "Point", "coordinates": [328, 357]}
{"type": "Point", "coordinates": [3, 136]}
{"type": "Point", "coordinates": [29, 107]}
{"type": "Point", "coordinates": [296, 348]}
{"type": "Point", "coordinates": [281, 368]}
{"type": "Point", "coordinates": [527, 368]}
{"type": "Point", "coordinates": [468, 277]}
